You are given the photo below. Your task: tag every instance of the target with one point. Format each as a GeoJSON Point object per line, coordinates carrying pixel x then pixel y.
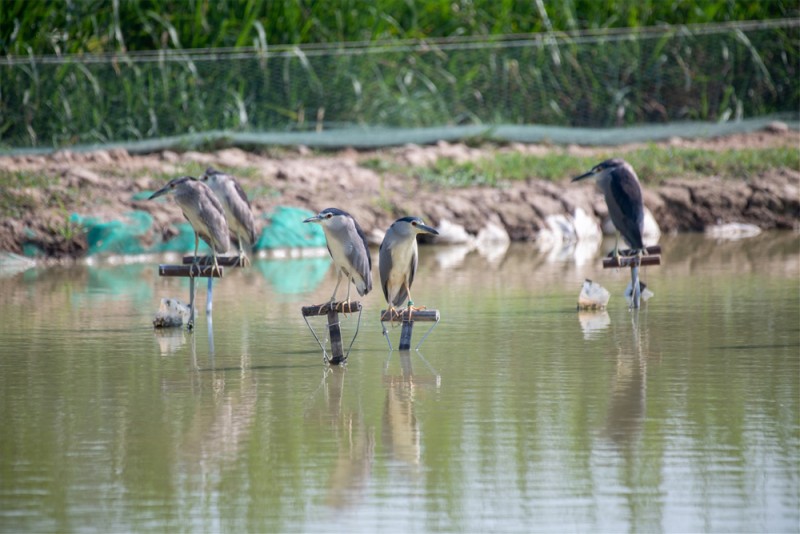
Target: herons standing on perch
{"type": "Point", "coordinates": [620, 186]}
{"type": "Point", "coordinates": [237, 209]}
{"type": "Point", "coordinates": [398, 259]}
{"type": "Point", "coordinates": [203, 211]}
{"type": "Point", "coordinates": [348, 248]}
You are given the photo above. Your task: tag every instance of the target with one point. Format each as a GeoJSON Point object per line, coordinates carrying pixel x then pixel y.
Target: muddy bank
{"type": "Point", "coordinates": [108, 184]}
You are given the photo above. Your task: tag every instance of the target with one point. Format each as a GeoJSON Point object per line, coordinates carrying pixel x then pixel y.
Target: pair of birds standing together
{"type": "Point", "coordinates": [217, 207]}
{"type": "Point", "coordinates": [397, 258]}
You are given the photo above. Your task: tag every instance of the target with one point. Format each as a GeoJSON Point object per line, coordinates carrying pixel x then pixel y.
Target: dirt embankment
{"type": "Point", "coordinates": [103, 185]}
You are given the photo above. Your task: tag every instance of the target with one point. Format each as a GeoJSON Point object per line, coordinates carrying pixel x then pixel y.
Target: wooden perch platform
{"type": "Point", "coordinates": [408, 318]}
{"type": "Point", "coordinates": [403, 316]}
{"type": "Point", "coordinates": [222, 261]}
{"type": "Point", "coordinates": [192, 271]}
{"type": "Point", "coordinates": [332, 310]}
{"type": "Point", "coordinates": [325, 309]}
{"type": "Point", "coordinates": [629, 258]}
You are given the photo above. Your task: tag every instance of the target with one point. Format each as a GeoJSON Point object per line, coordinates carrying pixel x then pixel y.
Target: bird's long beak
{"type": "Point", "coordinates": [163, 191]}
{"type": "Point", "coordinates": [583, 176]}
{"type": "Point", "coordinates": [315, 219]}
{"type": "Point", "coordinates": [425, 229]}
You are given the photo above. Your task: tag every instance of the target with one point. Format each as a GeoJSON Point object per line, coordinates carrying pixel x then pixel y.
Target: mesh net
{"type": "Point", "coordinates": [365, 94]}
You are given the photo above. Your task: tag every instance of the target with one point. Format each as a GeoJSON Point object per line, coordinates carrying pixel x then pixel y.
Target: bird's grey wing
{"type": "Point", "coordinates": [243, 212]}
{"type": "Point", "coordinates": [627, 194]}
{"type": "Point", "coordinates": [213, 217]}
{"type": "Point", "coordinates": [240, 192]}
{"type": "Point", "coordinates": [385, 267]}
{"type": "Point", "coordinates": [413, 267]}
{"type": "Point", "coordinates": [359, 256]}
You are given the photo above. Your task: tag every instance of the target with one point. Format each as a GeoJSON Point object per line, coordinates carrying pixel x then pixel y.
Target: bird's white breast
{"type": "Point", "coordinates": [401, 262]}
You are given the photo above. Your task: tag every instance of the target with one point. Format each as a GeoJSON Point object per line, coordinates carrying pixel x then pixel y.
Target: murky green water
{"type": "Point", "coordinates": [518, 414]}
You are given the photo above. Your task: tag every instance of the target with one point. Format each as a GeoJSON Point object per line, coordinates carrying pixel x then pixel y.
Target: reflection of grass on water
{"type": "Point", "coordinates": [295, 275]}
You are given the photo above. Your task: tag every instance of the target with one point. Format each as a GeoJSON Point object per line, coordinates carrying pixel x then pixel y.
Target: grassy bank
{"type": "Point", "coordinates": [652, 164]}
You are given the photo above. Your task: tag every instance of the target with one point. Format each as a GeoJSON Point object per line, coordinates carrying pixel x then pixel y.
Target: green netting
{"type": "Point", "coordinates": [117, 236]}
{"type": "Point", "coordinates": [587, 87]}
{"type": "Point", "coordinates": [283, 228]}
{"type": "Point", "coordinates": [297, 275]}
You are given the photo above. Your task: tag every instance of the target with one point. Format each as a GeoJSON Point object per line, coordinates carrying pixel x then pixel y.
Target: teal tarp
{"type": "Point", "coordinates": [282, 228]}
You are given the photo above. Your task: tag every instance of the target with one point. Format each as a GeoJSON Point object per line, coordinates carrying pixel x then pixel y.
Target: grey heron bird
{"type": "Point", "coordinates": [398, 258]}
{"type": "Point", "coordinates": [623, 193]}
{"type": "Point", "coordinates": [348, 248]}
{"type": "Point", "coordinates": [203, 211]}
{"type": "Point", "coordinates": [237, 208]}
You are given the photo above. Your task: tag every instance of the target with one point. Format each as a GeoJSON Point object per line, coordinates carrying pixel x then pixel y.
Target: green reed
{"type": "Point", "coordinates": [563, 79]}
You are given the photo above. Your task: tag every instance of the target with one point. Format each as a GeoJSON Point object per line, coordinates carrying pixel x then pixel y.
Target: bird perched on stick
{"type": "Point", "coordinates": [348, 248]}
{"type": "Point", "coordinates": [623, 193]}
{"type": "Point", "coordinates": [398, 258]}
{"type": "Point", "coordinates": [237, 208]}
{"type": "Point", "coordinates": [203, 211]}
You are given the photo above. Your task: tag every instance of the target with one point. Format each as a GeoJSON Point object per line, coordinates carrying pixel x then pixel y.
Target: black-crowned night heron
{"type": "Point", "coordinates": [237, 209]}
{"type": "Point", "coordinates": [398, 258]}
{"type": "Point", "coordinates": [620, 186]}
{"type": "Point", "coordinates": [348, 248]}
{"type": "Point", "coordinates": [203, 211]}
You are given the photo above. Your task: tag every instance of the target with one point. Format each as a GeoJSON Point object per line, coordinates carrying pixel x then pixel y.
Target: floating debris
{"type": "Point", "coordinates": [732, 231]}
{"type": "Point", "coordinates": [593, 296]}
{"type": "Point", "coordinates": [171, 313]}
{"type": "Point", "coordinates": [646, 293]}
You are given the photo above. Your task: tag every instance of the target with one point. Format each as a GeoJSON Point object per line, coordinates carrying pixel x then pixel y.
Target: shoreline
{"type": "Point", "coordinates": [67, 190]}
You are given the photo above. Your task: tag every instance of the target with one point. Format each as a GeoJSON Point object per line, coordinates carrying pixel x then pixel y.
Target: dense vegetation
{"type": "Point", "coordinates": [92, 26]}
{"type": "Point", "coordinates": [84, 71]}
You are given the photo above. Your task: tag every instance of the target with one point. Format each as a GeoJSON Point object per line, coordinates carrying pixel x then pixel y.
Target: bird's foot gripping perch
{"type": "Point", "coordinates": [244, 260]}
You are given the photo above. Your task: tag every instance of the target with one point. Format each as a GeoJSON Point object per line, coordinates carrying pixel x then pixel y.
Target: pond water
{"type": "Point", "coordinates": [517, 414]}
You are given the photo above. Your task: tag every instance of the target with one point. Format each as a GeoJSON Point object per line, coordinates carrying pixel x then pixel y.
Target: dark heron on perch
{"type": "Point", "coordinates": [203, 211]}
{"type": "Point", "coordinates": [620, 186]}
{"type": "Point", "coordinates": [237, 209]}
{"type": "Point", "coordinates": [348, 248]}
{"type": "Point", "coordinates": [398, 258]}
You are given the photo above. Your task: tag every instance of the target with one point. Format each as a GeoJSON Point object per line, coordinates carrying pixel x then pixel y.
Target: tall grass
{"type": "Point", "coordinates": [599, 78]}
{"type": "Point", "coordinates": [94, 26]}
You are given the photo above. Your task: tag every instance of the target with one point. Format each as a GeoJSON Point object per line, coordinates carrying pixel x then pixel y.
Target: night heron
{"type": "Point", "coordinates": [237, 209]}
{"type": "Point", "coordinates": [398, 258]}
{"type": "Point", "coordinates": [620, 186]}
{"type": "Point", "coordinates": [203, 211]}
{"type": "Point", "coordinates": [348, 248]}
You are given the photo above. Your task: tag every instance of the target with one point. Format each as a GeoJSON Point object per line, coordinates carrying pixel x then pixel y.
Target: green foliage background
{"type": "Point", "coordinates": [92, 26]}
{"type": "Point", "coordinates": [92, 71]}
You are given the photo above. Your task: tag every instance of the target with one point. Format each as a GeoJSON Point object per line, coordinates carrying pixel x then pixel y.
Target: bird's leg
{"type": "Point", "coordinates": [411, 307]}
{"type": "Point", "coordinates": [392, 312]}
{"type": "Point", "coordinates": [244, 261]}
{"type": "Point", "coordinates": [195, 261]}
{"type": "Point", "coordinates": [347, 299]}
{"type": "Point", "coordinates": [215, 268]}
{"type": "Point", "coordinates": [335, 289]}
